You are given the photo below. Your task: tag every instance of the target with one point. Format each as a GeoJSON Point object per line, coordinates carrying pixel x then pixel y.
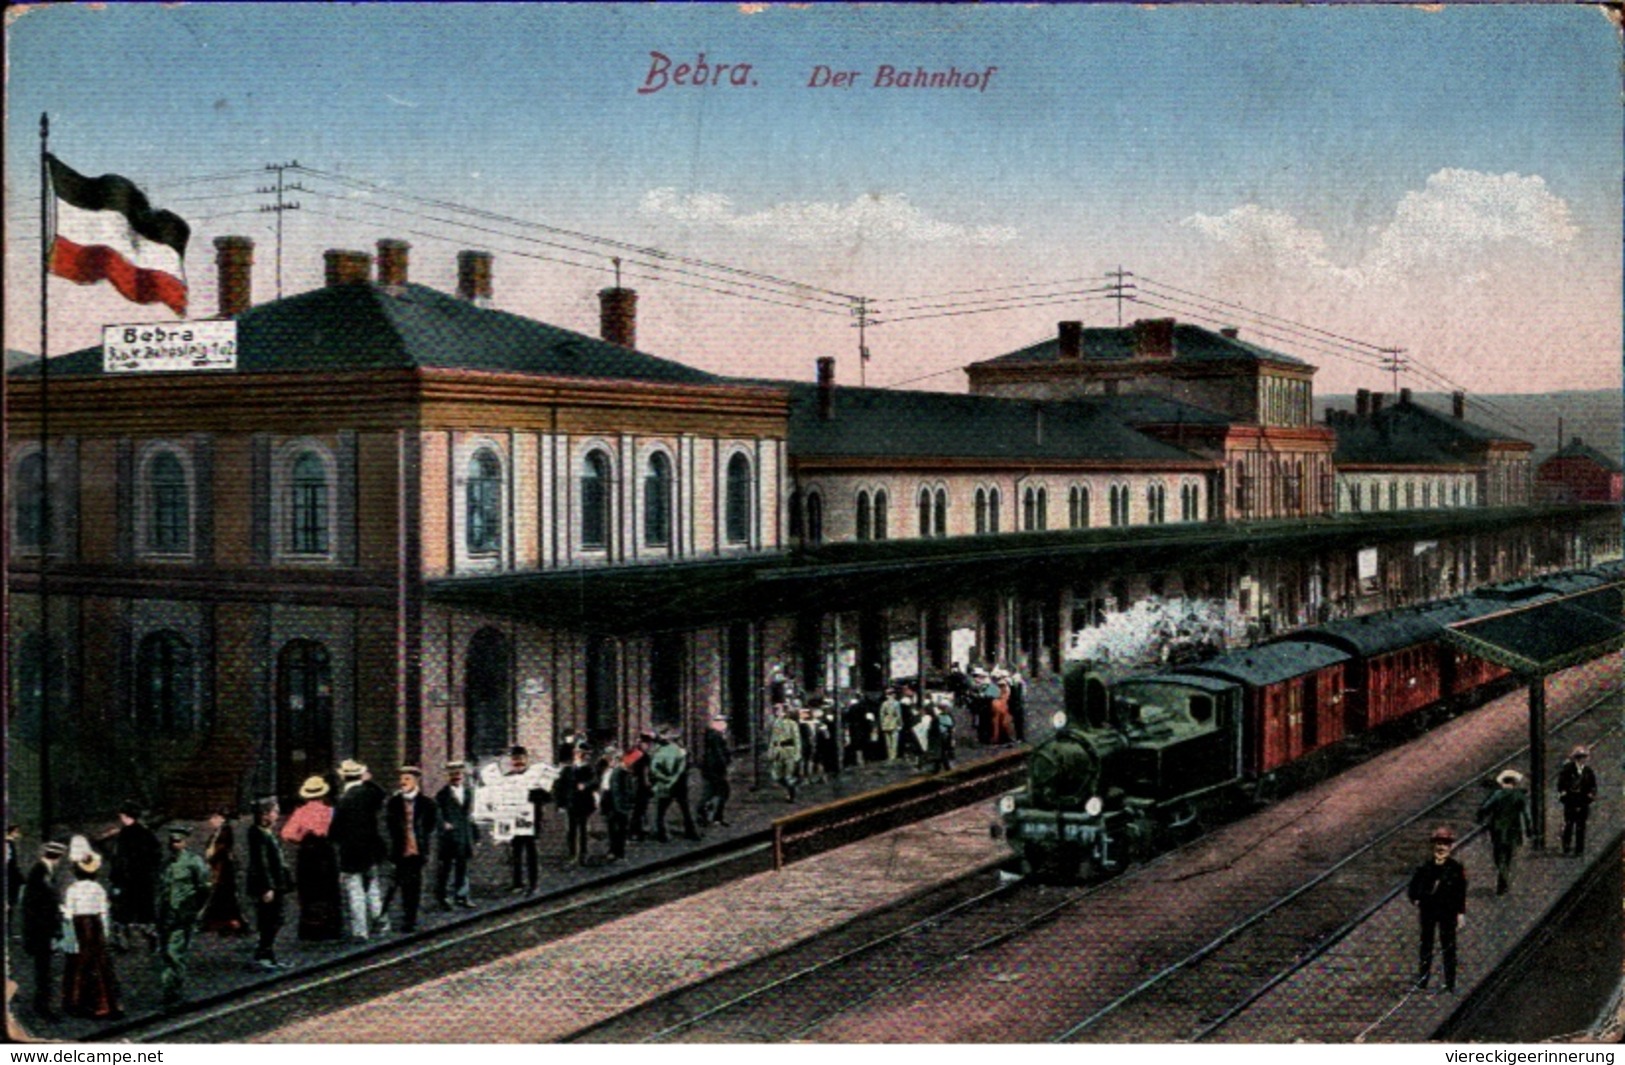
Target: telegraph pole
{"type": "Point", "coordinates": [279, 208]}
{"type": "Point", "coordinates": [860, 311]}
{"type": "Point", "coordinates": [1393, 360]}
{"type": "Point", "coordinates": [1120, 290]}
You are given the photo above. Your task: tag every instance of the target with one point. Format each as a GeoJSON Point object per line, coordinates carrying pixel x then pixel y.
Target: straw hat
{"type": "Point", "coordinates": [1509, 778]}
{"type": "Point", "coordinates": [350, 769]}
{"type": "Point", "coordinates": [89, 864]}
{"type": "Point", "coordinates": [313, 788]}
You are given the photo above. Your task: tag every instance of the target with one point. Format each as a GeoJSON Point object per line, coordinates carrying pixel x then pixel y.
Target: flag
{"type": "Point", "coordinates": [103, 229]}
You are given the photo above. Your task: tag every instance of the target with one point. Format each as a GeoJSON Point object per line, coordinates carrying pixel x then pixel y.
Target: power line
{"type": "Point", "coordinates": [1315, 346]}
{"type": "Point", "coordinates": [1061, 299]}
{"type": "Point", "coordinates": [955, 304]}
{"type": "Point", "coordinates": [990, 288]}
{"type": "Point", "coordinates": [1260, 314]}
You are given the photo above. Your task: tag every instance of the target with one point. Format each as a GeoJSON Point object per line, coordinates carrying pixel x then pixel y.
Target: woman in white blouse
{"type": "Point", "coordinates": [89, 988]}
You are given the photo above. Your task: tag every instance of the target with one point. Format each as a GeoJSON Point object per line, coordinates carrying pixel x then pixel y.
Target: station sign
{"type": "Point", "coordinates": [159, 348]}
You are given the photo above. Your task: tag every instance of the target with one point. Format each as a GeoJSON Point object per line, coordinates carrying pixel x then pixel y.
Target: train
{"type": "Point", "coordinates": [1137, 761]}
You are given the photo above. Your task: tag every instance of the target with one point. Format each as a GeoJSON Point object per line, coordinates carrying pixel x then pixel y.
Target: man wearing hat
{"type": "Point", "coordinates": [714, 761]}
{"type": "Point", "coordinates": [784, 752]}
{"type": "Point", "coordinates": [1576, 789]}
{"type": "Point", "coordinates": [183, 890]}
{"type": "Point", "coordinates": [411, 818]}
{"type": "Point", "coordinates": [891, 722]}
{"type": "Point", "coordinates": [137, 858]}
{"type": "Point", "coordinates": [267, 883]}
{"type": "Point", "coordinates": [1505, 812]}
{"type": "Point", "coordinates": [1438, 890]}
{"type": "Point", "coordinates": [617, 799]}
{"type": "Point", "coordinates": [355, 833]}
{"type": "Point", "coordinates": [523, 844]}
{"type": "Point", "coordinates": [455, 803]}
{"type": "Point", "coordinates": [668, 775]}
{"type": "Point", "coordinates": [637, 763]}
{"type": "Point", "coordinates": [42, 923]}
{"type": "Point", "coordinates": [576, 793]}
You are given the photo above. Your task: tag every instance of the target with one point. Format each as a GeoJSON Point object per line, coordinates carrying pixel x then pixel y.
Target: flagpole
{"type": "Point", "coordinates": [46, 518]}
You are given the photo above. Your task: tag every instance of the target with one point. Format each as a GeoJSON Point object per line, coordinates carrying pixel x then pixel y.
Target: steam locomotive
{"type": "Point", "coordinates": [1136, 760]}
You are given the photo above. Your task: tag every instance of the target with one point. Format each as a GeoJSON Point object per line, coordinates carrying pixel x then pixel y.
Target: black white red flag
{"type": "Point", "coordinates": [103, 229]}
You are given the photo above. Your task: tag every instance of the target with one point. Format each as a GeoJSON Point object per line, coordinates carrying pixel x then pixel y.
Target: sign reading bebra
{"type": "Point", "coordinates": [153, 348]}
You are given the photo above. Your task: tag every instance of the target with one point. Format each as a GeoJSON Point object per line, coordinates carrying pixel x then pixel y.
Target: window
{"type": "Point", "coordinates": [924, 506]}
{"type": "Point", "coordinates": [981, 511]}
{"type": "Point", "coordinates": [798, 523]}
{"type": "Point", "coordinates": [307, 510]}
{"type": "Point", "coordinates": [1371, 496]}
{"type": "Point", "coordinates": [657, 502]}
{"type": "Point", "coordinates": [1189, 503]}
{"type": "Point", "coordinates": [863, 516]}
{"type": "Point", "coordinates": [1243, 491]}
{"type": "Point", "coordinates": [1035, 509]}
{"type": "Point", "coordinates": [1156, 504]}
{"type": "Point", "coordinates": [815, 518]}
{"type": "Point", "coordinates": [1455, 494]}
{"type": "Point", "coordinates": [1427, 493]}
{"type": "Point", "coordinates": [881, 518]}
{"type": "Point", "coordinates": [1077, 507]}
{"type": "Point", "coordinates": [942, 512]}
{"type": "Point", "coordinates": [165, 686]}
{"type": "Point", "coordinates": [1410, 495]}
{"type": "Point", "coordinates": [595, 497]}
{"type": "Point", "coordinates": [28, 528]}
{"type": "Point", "coordinates": [992, 510]}
{"type": "Point", "coordinates": [737, 500]}
{"type": "Point", "coordinates": [1393, 495]}
{"type": "Point", "coordinates": [484, 531]}
{"type": "Point", "coordinates": [1118, 498]}
{"type": "Point", "coordinates": [169, 517]}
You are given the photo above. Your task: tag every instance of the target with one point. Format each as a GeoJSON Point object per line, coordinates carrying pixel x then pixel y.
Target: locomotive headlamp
{"type": "Point", "coordinates": [1059, 720]}
{"type": "Point", "coordinates": [1007, 804]}
{"type": "Point", "coordinates": [1094, 806]}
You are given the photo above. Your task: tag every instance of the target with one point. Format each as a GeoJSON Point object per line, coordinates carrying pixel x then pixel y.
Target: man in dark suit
{"type": "Point", "coordinates": [455, 804]}
{"type": "Point", "coordinates": [1438, 890]}
{"type": "Point", "coordinates": [411, 819]}
{"type": "Point", "coordinates": [1576, 790]}
{"type": "Point", "coordinates": [138, 858]}
{"type": "Point", "coordinates": [42, 923]}
{"type": "Point", "coordinates": [355, 833]}
{"type": "Point", "coordinates": [267, 882]}
{"type": "Point", "coordinates": [714, 760]}
{"type": "Point", "coordinates": [576, 793]}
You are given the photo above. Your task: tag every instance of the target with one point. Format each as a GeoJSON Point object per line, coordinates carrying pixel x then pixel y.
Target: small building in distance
{"type": "Point", "coordinates": [1580, 473]}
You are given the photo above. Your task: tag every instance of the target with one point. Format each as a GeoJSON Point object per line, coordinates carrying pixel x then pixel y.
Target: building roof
{"type": "Point", "coordinates": [1409, 434]}
{"type": "Point", "coordinates": [1579, 449]}
{"type": "Point", "coordinates": [1273, 662]}
{"type": "Point", "coordinates": [880, 422]}
{"type": "Point", "coordinates": [374, 327]}
{"type": "Point", "coordinates": [1192, 343]}
{"type": "Point", "coordinates": [1547, 636]}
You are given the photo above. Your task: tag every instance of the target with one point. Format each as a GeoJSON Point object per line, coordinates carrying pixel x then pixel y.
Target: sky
{"type": "Point", "coordinates": [1334, 181]}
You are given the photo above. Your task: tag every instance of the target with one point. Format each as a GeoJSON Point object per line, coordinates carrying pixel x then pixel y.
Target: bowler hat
{"type": "Point", "coordinates": [1443, 834]}
{"type": "Point", "coordinates": [313, 788]}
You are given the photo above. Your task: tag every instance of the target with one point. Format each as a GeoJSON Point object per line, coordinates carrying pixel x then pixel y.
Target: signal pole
{"type": "Point", "coordinates": [279, 207]}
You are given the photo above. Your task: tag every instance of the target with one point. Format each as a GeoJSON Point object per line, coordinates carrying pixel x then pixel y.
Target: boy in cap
{"type": "Point", "coordinates": [1576, 790]}
{"type": "Point", "coordinates": [183, 891]}
{"type": "Point", "coordinates": [411, 819]}
{"type": "Point", "coordinates": [455, 803]}
{"type": "Point", "coordinates": [1506, 813]}
{"type": "Point", "coordinates": [1438, 890]}
{"type": "Point", "coordinates": [42, 923]}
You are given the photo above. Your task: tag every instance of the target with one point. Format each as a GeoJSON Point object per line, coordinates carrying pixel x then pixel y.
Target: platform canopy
{"type": "Point", "coordinates": [1540, 639]}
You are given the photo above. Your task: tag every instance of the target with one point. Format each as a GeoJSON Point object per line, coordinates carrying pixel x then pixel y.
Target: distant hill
{"type": "Point", "coordinates": [1597, 416]}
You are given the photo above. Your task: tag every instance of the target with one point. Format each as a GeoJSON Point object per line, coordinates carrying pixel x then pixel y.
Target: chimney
{"type": "Point", "coordinates": [1376, 403]}
{"type": "Point", "coordinates": [1230, 332]}
{"type": "Point", "coordinates": [1458, 405]}
{"type": "Point", "coordinates": [1362, 403]}
{"type": "Point", "coordinates": [474, 277]}
{"type": "Point", "coordinates": [1071, 340]}
{"type": "Point", "coordinates": [618, 316]}
{"type": "Point", "coordinates": [392, 262]}
{"type": "Point", "coordinates": [347, 267]}
{"type": "Point", "coordinates": [1404, 395]}
{"type": "Point", "coordinates": [826, 388]}
{"type": "Point", "coordinates": [1154, 338]}
{"type": "Point", "coordinates": [235, 258]}
{"type": "Point", "coordinates": [1574, 441]}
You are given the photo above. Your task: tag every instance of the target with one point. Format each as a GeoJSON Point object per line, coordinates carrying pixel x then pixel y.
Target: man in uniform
{"type": "Point", "coordinates": [183, 890]}
{"type": "Point", "coordinates": [891, 722]}
{"type": "Point", "coordinates": [1576, 789]}
{"type": "Point", "coordinates": [668, 775]}
{"type": "Point", "coordinates": [1438, 890]}
{"type": "Point", "coordinates": [267, 883]}
{"type": "Point", "coordinates": [1506, 813]}
{"type": "Point", "coordinates": [714, 761]}
{"type": "Point", "coordinates": [455, 805]}
{"type": "Point", "coordinates": [42, 923]}
{"type": "Point", "coordinates": [784, 751]}
{"type": "Point", "coordinates": [411, 819]}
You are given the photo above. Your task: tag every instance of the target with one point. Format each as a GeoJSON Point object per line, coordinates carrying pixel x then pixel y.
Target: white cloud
{"type": "Point", "coordinates": [878, 216]}
{"type": "Point", "coordinates": [1456, 213]}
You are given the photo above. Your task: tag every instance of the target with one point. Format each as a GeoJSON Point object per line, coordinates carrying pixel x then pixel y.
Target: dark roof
{"type": "Point", "coordinates": [1158, 410]}
{"type": "Point", "coordinates": [372, 327]}
{"type": "Point", "coordinates": [1272, 663]}
{"type": "Point", "coordinates": [1547, 636]}
{"type": "Point", "coordinates": [1375, 634]}
{"type": "Point", "coordinates": [1192, 343]}
{"type": "Point", "coordinates": [899, 423]}
{"type": "Point", "coordinates": [1579, 449]}
{"type": "Point", "coordinates": [1409, 434]}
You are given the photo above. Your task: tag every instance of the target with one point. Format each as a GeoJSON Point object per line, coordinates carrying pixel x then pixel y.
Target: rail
{"type": "Point", "coordinates": [822, 828]}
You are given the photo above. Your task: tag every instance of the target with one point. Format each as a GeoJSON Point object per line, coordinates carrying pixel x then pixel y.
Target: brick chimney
{"type": "Point", "coordinates": [347, 267]}
{"type": "Point", "coordinates": [1458, 405]}
{"type": "Point", "coordinates": [1376, 403]}
{"type": "Point", "coordinates": [618, 316]}
{"type": "Point", "coordinates": [1404, 395]}
{"type": "Point", "coordinates": [474, 277]}
{"type": "Point", "coordinates": [235, 258]}
{"type": "Point", "coordinates": [1154, 338]}
{"type": "Point", "coordinates": [392, 262]}
{"type": "Point", "coordinates": [1230, 332]}
{"type": "Point", "coordinates": [1362, 403]}
{"type": "Point", "coordinates": [826, 388]}
{"type": "Point", "coordinates": [1070, 335]}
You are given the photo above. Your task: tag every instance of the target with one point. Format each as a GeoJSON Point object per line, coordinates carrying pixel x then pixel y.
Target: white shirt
{"type": "Point", "coordinates": [85, 898]}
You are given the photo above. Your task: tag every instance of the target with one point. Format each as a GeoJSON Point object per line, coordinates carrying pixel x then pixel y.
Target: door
{"type": "Point", "coordinates": [304, 715]}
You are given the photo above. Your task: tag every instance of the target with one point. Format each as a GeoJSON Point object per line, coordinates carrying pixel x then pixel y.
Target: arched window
{"type": "Point", "coordinates": [981, 511]}
{"type": "Point", "coordinates": [169, 519]}
{"type": "Point", "coordinates": [1189, 502]}
{"type": "Point", "coordinates": [595, 498]}
{"type": "Point", "coordinates": [484, 527]}
{"type": "Point", "coordinates": [924, 506]}
{"type": "Point", "coordinates": [1035, 509]}
{"type": "Point", "coordinates": [28, 529]}
{"type": "Point", "coordinates": [1077, 507]}
{"type": "Point", "coordinates": [1410, 495]}
{"type": "Point", "coordinates": [1455, 493]}
{"type": "Point", "coordinates": [1156, 504]}
{"type": "Point", "coordinates": [737, 501]}
{"type": "Point", "coordinates": [1393, 495]}
{"type": "Point", "coordinates": [307, 510]}
{"type": "Point", "coordinates": [798, 521]}
{"type": "Point", "coordinates": [992, 510]}
{"type": "Point", "coordinates": [815, 518]}
{"type": "Point", "coordinates": [1118, 498]}
{"type": "Point", "coordinates": [881, 518]}
{"type": "Point", "coordinates": [1427, 493]}
{"type": "Point", "coordinates": [165, 686]}
{"type": "Point", "coordinates": [657, 501]}
{"type": "Point", "coordinates": [941, 523]}
{"type": "Point", "coordinates": [863, 515]}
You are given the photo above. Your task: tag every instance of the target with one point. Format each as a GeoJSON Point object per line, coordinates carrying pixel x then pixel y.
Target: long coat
{"type": "Point", "coordinates": [715, 758]}
{"type": "Point", "coordinates": [1506, 813]}
{"type": "Point", "coordinates": [137, 858]}
{"type": "Point", "coordinates": [42, 911]}
{"type": "Point", "coordinates": [355, 827]}
{"type": "Point", "coordinates": [456, 821]}
{"type": "Point", "coordinates": [668, 770]}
